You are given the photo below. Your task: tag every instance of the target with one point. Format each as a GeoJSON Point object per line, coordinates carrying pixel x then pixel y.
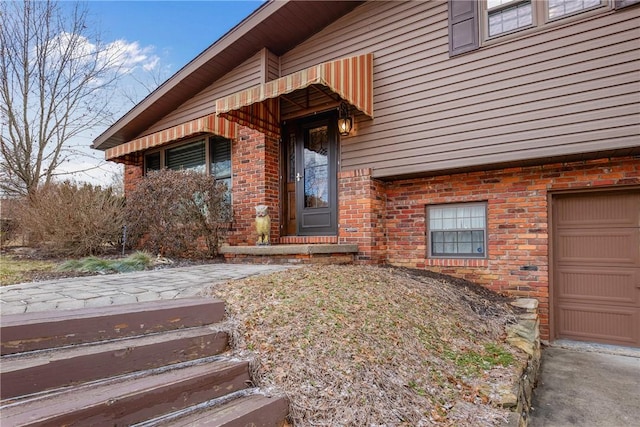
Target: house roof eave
{"type": "Point", "coordinates": [222, 56]}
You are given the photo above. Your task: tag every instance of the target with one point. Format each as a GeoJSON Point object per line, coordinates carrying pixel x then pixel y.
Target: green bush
{"type": "Point", "coordinates": [178, 213]}
{"type": "Point", "coordinates": [73, 219]}
{"type": "Point", "coordinates": [134, 262]}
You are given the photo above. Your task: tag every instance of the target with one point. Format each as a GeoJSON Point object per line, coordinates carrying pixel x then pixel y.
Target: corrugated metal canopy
{"type": "Point", "coordinates": [277, 25]}
{"type": "Point", "coordinates": [258, 107]}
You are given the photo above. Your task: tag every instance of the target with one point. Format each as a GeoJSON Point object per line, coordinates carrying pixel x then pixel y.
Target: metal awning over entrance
{"type": "Point", "coordinates": [259, 108]}
{"type": "Point", "coordinates": [208, 124]}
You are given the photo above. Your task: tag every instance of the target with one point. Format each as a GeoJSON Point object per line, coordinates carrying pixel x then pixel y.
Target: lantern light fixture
{"type": "Point", "coordinates": [345, 122]}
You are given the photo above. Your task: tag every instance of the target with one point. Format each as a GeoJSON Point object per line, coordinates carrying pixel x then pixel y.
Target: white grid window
{"type": "Point", "coordinates": [559, 8]}
{"type": "Point", "coordinates": [457, 230]}
{"type": "Point", "coordinates": [505, 17]}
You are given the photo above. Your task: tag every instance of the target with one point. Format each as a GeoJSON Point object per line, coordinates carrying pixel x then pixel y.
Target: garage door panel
{"type": "Point", "coordinates": [599, 323]}
{"type": "Point", "coordinates": [611, 210]}
{"type": "Point", "coordinates": [613, 247]}
{"type": "Point", "coordinates": [599, 284]}
{"type": "Point", "coordinates": [596, 266]}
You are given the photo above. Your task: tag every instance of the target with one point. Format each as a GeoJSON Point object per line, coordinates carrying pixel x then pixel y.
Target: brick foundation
{"type": "Point", "coordinates": [517, 221]}
{"type": "Point", "coordinates": [362, 204]}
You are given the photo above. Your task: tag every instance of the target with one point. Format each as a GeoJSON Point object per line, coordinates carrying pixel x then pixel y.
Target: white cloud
{"type": "Point", "coordinates": [130, 55]}
{"type": "Point", "coordinates": [120, 55]}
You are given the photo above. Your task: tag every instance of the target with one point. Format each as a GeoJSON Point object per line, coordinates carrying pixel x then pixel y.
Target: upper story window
{"type": "Point", "coordinates": [559, 8]}
{"type": "Point", "coordinates": [475, 22]}
{"type": "Point", "coordinates": [505, 16]}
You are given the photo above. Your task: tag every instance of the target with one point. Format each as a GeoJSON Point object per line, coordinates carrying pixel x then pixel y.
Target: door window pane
{"type": "Point", "coordinates": [316, 168]}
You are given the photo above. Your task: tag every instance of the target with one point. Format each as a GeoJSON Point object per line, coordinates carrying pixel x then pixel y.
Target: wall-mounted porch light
{"type": "Point", "coordinates": [345, 122]}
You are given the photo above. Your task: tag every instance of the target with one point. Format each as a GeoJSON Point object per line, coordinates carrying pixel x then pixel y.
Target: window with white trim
{"type": "Point", "coordinates": [457, 230]}
{"type": "Point", "coordinates": [560, 8]}
{"type": "Point", "coordinates": [502, 17]}
{"type": "Point", "coordinates": [506, 16]}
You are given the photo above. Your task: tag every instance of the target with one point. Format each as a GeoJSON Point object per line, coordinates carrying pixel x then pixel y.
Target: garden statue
{"type": "Point", "coordinates": [263, 225]}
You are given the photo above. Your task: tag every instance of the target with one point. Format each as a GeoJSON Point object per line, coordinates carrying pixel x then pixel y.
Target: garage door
{"type": "Point", "coordinates": [596, 267]}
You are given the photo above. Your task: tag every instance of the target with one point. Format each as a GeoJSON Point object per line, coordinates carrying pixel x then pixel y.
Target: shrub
{"type": "Point", "coordinates": [178, 213]}
{"type": "Point", "coordinates": [73, 219]}
{"type": "Point", "coordinates": [134, 262]}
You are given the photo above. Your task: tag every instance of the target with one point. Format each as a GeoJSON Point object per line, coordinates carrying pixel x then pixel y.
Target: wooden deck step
{"type": "Point", "coordinates": [33, 372]}
{"type": "Point", "coordinates": [130, 399]}
{"type": "Point", "coordinates": [36, 331]}
{"type": "Point", "coordinates": [253, 409]}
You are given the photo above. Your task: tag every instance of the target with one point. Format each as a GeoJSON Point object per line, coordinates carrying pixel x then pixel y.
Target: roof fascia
{"type": "Point", "coordinates": [224, 42]}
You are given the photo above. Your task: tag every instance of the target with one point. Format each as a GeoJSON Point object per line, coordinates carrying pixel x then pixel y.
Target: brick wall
{"type": "Point", "coordinates": [255, 168]}
{"type": "Point", "coordinates": [517, 222]}
{"type": "Point", "coordinates": [361, 217]}
{"type": "Point", "coordinates": [132, 173]}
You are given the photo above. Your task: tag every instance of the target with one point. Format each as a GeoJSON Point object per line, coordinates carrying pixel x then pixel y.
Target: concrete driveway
{"type": "Point", "coordinates": [588, 386]}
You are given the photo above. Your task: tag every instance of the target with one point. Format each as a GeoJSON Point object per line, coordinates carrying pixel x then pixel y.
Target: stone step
{"type": "Point", "coordinates": [43, 330]}
{"type": "Point", "coordinates": [32, 372]}
{"type": "Point", "coordinates": [131, 398]}
{"type": "Point", "coordinates": [248, 408]}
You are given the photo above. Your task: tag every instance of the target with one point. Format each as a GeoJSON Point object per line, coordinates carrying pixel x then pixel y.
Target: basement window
{"type": "Point", "coordinates": [457, 230]}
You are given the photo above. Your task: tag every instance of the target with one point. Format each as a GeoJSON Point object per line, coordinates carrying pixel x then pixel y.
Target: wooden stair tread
{"type": "Point", "coordinates": [33, 372]}
{"type": "Point", "coordinates": [24, 332]}
{"type": "Point", "coordinates": [256, 410]}
{"type": "Point", "coordinates": [132, 398]}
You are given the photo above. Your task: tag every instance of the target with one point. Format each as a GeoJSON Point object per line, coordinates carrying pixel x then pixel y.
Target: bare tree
{"type": "Point", "coordinates": [55, 82]}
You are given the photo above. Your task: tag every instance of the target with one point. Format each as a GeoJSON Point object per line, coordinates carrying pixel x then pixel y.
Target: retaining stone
{"type": "Point", "coordinates": [525, 335]}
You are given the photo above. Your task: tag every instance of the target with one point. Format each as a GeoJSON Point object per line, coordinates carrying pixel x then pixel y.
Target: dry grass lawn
{"type": "Point", "coordinates": [372, 346]}
{"type": "Point", "coordinates": [16, 270]}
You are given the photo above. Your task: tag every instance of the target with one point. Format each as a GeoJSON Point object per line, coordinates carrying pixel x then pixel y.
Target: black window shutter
{"type": "Point", "coordinates": [624, 3]}
{"type": "Point", "coordinates": [463, 26]}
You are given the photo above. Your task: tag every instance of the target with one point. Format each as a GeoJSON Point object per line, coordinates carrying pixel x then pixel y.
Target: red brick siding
{"type": "Point", "coordinates": [255, 168]}
{"type": "Point", "coordinates": [517, 227]}
{"type": "Point", "coordinates": [361, 216]}
{"type": "Point", "coordinates": [132, 173]}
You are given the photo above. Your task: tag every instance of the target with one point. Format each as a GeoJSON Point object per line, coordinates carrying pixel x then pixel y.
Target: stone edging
{"type": "Point", "coordinates": [524, 334]}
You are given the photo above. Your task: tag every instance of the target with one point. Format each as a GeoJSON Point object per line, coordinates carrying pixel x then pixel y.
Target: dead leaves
{"type": "Point", "coordinates": [358, 345]}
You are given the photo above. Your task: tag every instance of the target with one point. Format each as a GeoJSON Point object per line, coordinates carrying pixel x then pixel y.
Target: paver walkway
{"type": "Point", "coordinates": [125, 288]}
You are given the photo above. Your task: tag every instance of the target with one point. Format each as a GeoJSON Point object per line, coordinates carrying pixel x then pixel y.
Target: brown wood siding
{"type": "Point", "coordinates": [568, 89]}
{"type": "Point", "coordinates": [250, 73]}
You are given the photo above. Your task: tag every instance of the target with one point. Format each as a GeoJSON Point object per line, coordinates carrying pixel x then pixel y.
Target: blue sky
{"type": "Point", "coordinates": [176, 30]}
{"type": "Point", "coordinates": [157, 39]}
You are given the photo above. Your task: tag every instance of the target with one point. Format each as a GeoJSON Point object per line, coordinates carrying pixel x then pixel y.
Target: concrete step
{"type": "Point", "coordinates": [44, 330]}
{"type": "Point", "coordinates": [32, 372]}
{"type": "Point", "coordinates": [240, 409]}
{"type": "Point", "coordinates": [132, 398]}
